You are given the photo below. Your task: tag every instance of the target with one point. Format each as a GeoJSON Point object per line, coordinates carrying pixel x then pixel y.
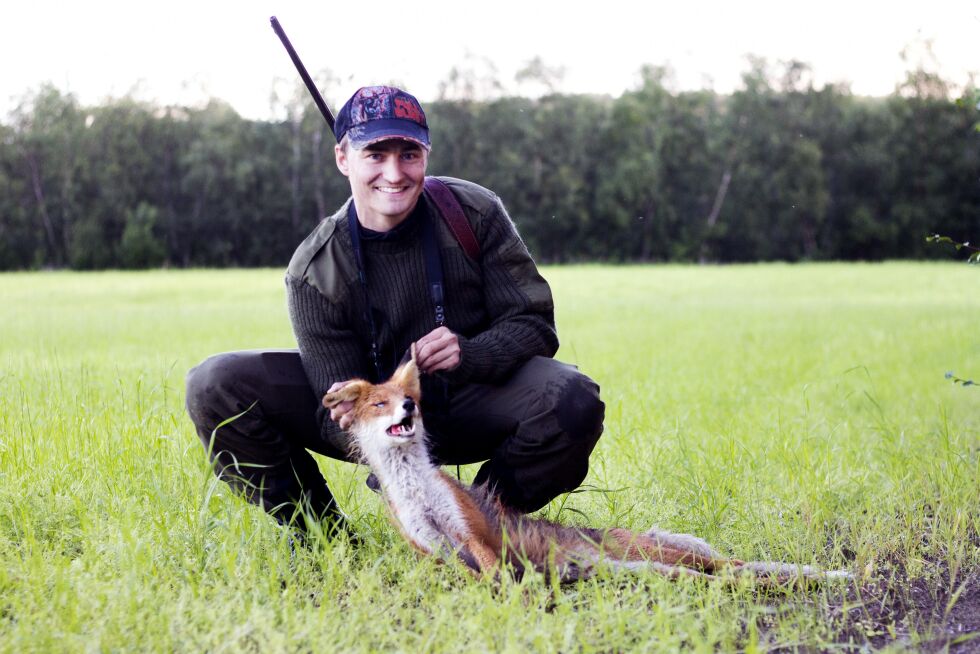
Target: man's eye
{"type": "Point", "coordinates": [380, 404]}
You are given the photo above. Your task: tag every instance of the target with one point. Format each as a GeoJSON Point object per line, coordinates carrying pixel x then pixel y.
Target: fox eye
{"type": "Point", "coordinates": [380, 404]}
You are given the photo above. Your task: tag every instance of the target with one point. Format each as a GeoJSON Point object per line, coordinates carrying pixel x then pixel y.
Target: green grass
{"type": "Point", "coordinates": [789, 412]}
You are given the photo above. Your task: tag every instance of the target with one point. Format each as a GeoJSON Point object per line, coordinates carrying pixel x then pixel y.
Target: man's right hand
{"type": "Point", "coordinates": [341, 414]}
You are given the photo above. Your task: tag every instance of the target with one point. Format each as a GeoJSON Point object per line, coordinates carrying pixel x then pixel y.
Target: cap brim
{"type": "Point", "coordinates": [376, 131]}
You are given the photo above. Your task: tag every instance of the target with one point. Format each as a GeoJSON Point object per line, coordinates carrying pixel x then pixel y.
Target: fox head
{"type": "Point", "coordinates": [385, 415]}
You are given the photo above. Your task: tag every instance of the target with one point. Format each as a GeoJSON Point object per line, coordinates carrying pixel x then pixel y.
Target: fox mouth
{"type": "Point", "coordinates": [403, 429]}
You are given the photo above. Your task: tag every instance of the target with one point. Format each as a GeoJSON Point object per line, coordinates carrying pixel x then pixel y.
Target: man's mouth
{"type": "Point", "coordinates": [391, 190]}
{"type": "Point", "coordinates": [403, 429]}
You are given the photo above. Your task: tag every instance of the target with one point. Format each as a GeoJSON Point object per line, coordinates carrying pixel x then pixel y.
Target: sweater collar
{"type": "Point", "coordinates": [404, 232]}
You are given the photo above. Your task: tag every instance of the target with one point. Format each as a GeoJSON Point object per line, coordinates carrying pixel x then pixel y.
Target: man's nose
{"type": "Point", "coordinates": [409, 405]}
{"type": "Point", "coordinates": [393, 169]}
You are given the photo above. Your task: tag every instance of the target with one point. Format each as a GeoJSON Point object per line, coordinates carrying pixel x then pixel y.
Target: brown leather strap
{"type": "Point", "coordinates": [452, 213]}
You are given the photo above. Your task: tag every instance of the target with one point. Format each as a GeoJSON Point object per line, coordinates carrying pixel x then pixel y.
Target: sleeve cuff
{"type": "Point", "coordinates": [473, 358]}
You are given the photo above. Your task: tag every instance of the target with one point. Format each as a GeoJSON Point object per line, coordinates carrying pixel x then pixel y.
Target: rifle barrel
{"type": "Point", "coordinates": [314, 91]}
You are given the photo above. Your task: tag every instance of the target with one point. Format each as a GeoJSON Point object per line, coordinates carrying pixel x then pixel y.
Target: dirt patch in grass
{"type": "Point", "coordinates": [935, 611]}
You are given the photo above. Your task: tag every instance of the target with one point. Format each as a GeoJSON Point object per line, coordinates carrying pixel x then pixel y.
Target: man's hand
{"type": "Point", "coordinates": [341, 413]}
{"type": "Point", "coordinates": [437, 350]}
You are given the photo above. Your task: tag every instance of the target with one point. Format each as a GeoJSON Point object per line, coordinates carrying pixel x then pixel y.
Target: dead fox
{"type": "Point", "coordinates": [443, 517]}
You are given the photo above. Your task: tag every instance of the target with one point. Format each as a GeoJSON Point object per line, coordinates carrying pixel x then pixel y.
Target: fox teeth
{"type": "Point", "coordinates": [400, 430]}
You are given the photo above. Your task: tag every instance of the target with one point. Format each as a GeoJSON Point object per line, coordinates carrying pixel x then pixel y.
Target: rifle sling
{"type": "Point", "coordinates": [452, 212]}
{"type": "Point", "coordinates": [433, 273]}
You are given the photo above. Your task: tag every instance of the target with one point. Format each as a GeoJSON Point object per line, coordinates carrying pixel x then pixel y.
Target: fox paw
{"type": "Point", "coordinates": [685, 542]}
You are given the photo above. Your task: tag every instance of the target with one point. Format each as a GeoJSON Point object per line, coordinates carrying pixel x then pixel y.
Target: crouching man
{"type": "Point", "coordinates": [388, 269]}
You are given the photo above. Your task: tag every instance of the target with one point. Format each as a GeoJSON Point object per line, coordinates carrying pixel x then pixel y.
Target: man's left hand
{"type": "Point", "coordinates": [437, 350]}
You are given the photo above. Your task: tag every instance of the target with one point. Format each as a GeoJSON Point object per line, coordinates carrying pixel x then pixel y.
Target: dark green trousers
{"type": "Point", "coordinates": [534, 432]}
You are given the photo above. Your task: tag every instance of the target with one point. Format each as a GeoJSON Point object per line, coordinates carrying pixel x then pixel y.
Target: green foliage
{"type": "Point", "coordinates": [139, 246]}
{"type": "Point", "coordinates": [88, 248]}
{"type": "Point", "coordinates": [970, 101]}
{"type": "Point", "coordinates": [974, 252]}
{"type": "Point", "coordinates": [957, 380]}
{"type": "Point", "coordinates": [974, 258]}
{"type": "Point", "coordinates": [780, 169]}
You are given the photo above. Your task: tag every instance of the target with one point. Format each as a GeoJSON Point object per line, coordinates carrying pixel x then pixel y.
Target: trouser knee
{"type": "Point", "coordinates": [253, 446]}
{"type": "Point", "coordinates": [198, 393]}
{"type": "Point", "coordinates": [549, 453]}
{"type": "Point", "coordinates": [214, 393]}
{"type": "Point", "coordinates": [579, 413]}
{"type": "Point", "coordinates": [211, 392]}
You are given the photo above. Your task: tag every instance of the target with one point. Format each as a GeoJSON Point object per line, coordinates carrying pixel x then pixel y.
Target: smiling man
{"type": "Point", "coordinates": [386, 180]}
{"type": "Point", "coordinates": [386, 271]}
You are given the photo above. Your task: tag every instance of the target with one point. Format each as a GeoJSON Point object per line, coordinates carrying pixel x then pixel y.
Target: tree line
{"type": "Point", "coordinates": [780, 169]}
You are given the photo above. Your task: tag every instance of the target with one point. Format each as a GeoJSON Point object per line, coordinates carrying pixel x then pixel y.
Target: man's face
{"type": "Point", "coordinates": [386, 180]}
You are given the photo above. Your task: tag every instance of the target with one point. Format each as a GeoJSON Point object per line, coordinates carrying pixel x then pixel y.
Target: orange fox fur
{"type": "Point", "coordinates": [440, 516]}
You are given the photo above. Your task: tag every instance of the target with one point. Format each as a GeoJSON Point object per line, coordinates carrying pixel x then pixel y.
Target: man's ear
{"type": "Point", "coordinates": [348, 393]}
{"type": "Point", "coordinates": [340, 156]}
{"type": "Point", "coordinates": [407, 376]}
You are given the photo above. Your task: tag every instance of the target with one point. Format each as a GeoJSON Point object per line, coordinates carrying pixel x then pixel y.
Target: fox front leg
{"type": "Point", "coordinates": [479, 558]}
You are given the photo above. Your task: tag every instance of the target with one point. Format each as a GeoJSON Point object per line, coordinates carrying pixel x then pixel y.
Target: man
{"type": "Point", "coordinates": [361, 289]}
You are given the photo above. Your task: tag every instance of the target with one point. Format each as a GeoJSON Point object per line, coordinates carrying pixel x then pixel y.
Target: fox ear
{"type": "Point", "coordinates": [408, 356]}
{"type": "Point", "coordinates": [407, 376]}
{"type": "Point", "coordinates": [347, 393]}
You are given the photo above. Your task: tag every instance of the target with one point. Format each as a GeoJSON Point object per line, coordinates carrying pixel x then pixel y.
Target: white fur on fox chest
{"type": "Point", "coordinates": [420, 499]}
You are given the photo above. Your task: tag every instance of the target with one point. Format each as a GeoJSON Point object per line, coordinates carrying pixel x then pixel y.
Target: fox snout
{"type": "Point", "coordinates": [403, 427]}
{"type": "Point", "coordinates": [385, 413]}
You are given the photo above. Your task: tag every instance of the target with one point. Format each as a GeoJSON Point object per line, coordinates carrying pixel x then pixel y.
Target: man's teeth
{"type": "Point", "coordinates": [391, 189]}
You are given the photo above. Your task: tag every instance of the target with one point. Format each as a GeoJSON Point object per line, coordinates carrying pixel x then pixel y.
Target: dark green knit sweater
{"type": "Point", "coordinates": [500, 307]}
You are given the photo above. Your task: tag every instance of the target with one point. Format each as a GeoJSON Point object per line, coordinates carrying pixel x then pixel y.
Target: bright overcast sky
{"type": "Point", "coordinates": [180, 52]}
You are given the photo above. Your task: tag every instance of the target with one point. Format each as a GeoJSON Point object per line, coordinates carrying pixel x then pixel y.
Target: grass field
{"type": "Point", "coordinates": [790, 412]}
